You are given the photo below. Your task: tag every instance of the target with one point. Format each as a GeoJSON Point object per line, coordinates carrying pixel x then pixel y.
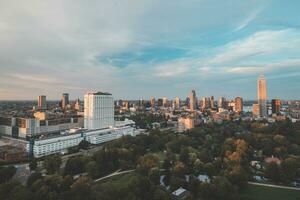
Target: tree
{"type": "Point", "coordinates": [74, 166]}
{"type": "Point", "coordinates": [238, 176]}
{"type": "Point", "coordinates": [92, 169]}
{"type": "Point", "coordinates": [6, 173]}
{"type": "Point", "coordinates": [147, 162]}
{"type": "Point", "coordinates": [184, 156]}
{"type": "Point", "coordinates": [289, 169]}
{"type": "Point", "coordinates": [33, 177]}
{"type": "Point", "coordinates": [32, 164]}
{"type": "Point", "coordinates": [273, 172]}
{"type": "Point", "coordinates": [81, 189]}
{"type": "Point", "coordinates": [52, 164]}
{"type": "Point", "coordinates": [84, 144]}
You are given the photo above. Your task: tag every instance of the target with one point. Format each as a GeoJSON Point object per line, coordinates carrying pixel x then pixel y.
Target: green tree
{"type": "Point", "coordinates": [273, 172]}
{"type": "Point", "coordinates": [84, 144]}
{"type": "Point", "coordinates": [289, 169]}
{"type": "Point", "coordinates": [6, 173]}
{"type": "Point", "coordinates": [32, 164]}
{"type": "Point", "coordinates": [75, 165]}
{"type": "Point", "coordinates": [92, 169]}
{"type": "Point", "coordinates": [52, 164]}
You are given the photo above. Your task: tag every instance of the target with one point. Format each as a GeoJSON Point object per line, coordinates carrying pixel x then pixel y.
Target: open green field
{"type": "Point", "coordinates": [255, 192]}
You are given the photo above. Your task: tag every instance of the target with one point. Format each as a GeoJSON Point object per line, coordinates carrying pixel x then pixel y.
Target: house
{"type": "Point", "coordinates": [204, 178]}
{"type": "Point", "coordinates": [180, 193]}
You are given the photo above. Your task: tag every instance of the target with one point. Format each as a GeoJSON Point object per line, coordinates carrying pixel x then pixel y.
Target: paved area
{"type": "Point", "coordinates": [274, 186]}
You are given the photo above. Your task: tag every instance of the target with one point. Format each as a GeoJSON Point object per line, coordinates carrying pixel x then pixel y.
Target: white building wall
{"type": "Point", "coordinates": [98, 111]}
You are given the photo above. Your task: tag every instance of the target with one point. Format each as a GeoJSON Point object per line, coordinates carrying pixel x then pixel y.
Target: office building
{"type": "Point", "coordinates": [212, 102]}
{"type": "Point", "coordinates": [206, 103]}
{"type": "Point", "coordinates": [176, 103]}
{"type": "Point", "coordinates": [42, 104]}
{"type": "Point", "coordinates": [276, 106]}
{"type": "Point", "coordinates": [77, 105]}
{"type": "Point", "coordinates": [98, 110]}
{"type": "Point", "coordinates": [152, 102]}
{"type": "Point", "coordinates": [262, 96]}
{"type": "Point", "coordinates": [255, 110]}
{"type": "Point", "coordinates": [165, 102]}
{"type": "Point", "coordinates": [159, 102]}
{"type": "Point", "coordinates": [238, 104]}
{"type": "Point", "coordinates": [65, 100]}
{"type": "Point", "coordinates": [193, 100]}
{"type": "Point", "coordinates": [222, 103]}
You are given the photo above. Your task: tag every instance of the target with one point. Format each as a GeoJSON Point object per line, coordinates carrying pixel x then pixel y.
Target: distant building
{"type": "Point", "coordinates": [212, 102]}
{"type": "Point", "coordinates": [98, 110]}
{"type": "Point", "coordinates": [77, 105]}
{"type": "Point", "coordinates": [176, 103]}
{"type": "Point", "coordinates": [276, 106]}
{"type": "Point", "coordinates": [255, 110]}
{"type": "Point", "coordinates": [159, 102]}
{"type": "Point", "coordinates": [205, 103]}
{"type": "Point", "coordinates": [152, 102]}
{"type": "Point", "coordinates": [262, 96]}
{"type": "Point", "coordinates": [185, 123]}
{"type": "Point", "coordinates": [238, 104]}
{"type": "Point", "coordinates": [42, 104]}
{"type": "Point", "coordinates": [193, 100]}
{"type": "Point", "coordinates": [222, 103]}
{"type": "Point", "coordinates": [165, 102]}
{"type": "Point", "coordinates": [65, 100]}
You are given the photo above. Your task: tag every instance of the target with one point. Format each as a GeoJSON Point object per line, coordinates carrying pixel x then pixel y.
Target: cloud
{"type": "Point", "coordinates": [145, 47]}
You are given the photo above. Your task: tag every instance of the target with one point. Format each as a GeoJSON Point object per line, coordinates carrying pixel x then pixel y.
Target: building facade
{"type": "Point", "coordinates": [98, 110]}
{"type": "Point", "coordinates": [193, 100]}
{"type": "Point", "coordinates": [276, 106]}
{"type": "Point", "coordinates": [42, 104]}
{"type": "Point", "coordinates": [262, 96]}
{"type": "Point", "coordinates": [238, 104]}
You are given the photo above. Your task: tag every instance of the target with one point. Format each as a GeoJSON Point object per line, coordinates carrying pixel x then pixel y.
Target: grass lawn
{"type": "Point", "coordinates": [267, 193]}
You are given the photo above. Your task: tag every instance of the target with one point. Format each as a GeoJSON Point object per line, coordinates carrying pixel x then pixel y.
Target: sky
{"type": "Point", "coordinates": [135, 49]}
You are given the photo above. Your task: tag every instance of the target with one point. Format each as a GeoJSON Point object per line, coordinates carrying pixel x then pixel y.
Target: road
{"type": "Point", "coordinates": [116, 173]}
{"type": "Point", "coordinates": [273, 186]}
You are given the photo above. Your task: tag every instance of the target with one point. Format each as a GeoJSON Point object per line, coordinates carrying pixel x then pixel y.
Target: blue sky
{"type": "Point", "coordinates": [141, 48]}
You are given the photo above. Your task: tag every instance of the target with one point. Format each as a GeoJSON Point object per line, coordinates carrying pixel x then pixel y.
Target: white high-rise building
{"type": "Point", "coordinates": [98, 110]}
{"type": "Point", "coordinates": [262, 96]}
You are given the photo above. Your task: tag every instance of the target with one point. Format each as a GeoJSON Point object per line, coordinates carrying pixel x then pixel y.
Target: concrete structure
{"type": "Point", "coordinates": [255, 110]}
{"type": "Point", "coordinates": [98, 110]}
{"type": "Point", "coordinates": [193, 100]}
{"type": "Point", "coordinates": [152, 102]}
{"type": "Point", "coordinates": [222, 103]}
{"type": "Point", "coordinates": [212, 102]}
{"type": "Point", "coordinates": [176, 103]}
{"type": "Point", "coordinates": [276, 106]}
{"type": "Point", "coordinates": [42, 104]}
{"type": "Point", "coordinates": [70, 138]}
{"type": "Point", "coordinates": [238, 104]}
{"type": "Point", "coordinates": [262, 96]}
{"type": "Point", "coordinates": [65, 100]}
{"type": "Point", "coordinates": [185, 123]}
{"type": "Point", "coordinates": [165, 102]}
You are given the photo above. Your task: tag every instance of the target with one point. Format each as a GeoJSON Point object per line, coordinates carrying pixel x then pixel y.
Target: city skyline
{"type": "Point", "coordinates": [149, 48]}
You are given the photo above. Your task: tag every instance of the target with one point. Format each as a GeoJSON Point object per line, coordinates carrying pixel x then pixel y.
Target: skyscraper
{"type": "Point", "coordinates": [222, 102]}
{"type": "Point", "coordinates": [64, 100]}
{"type": "Point", "coordinates": [77, 105]}
{"type": "Point", "coordinates": [212, 102]}
{"type": "Point", "coordinates": [276, 106]}
{"type": "Point", "coordinates": [42, 105]}
{"type": "Point", "coordinates": [165, 102]}
{"type": "Point", "coordinates": [152, 102]}
{"type": "Point", "coordinates": [262, 96]}
{"type": "Point", "coordinates": [98, 110]}
{"type": "Point", "coordinates": [193, 100]}
{"type": "Point", "coordinates": [238, 104]}
{"type": "Point", "coordinates": [176, 103]}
